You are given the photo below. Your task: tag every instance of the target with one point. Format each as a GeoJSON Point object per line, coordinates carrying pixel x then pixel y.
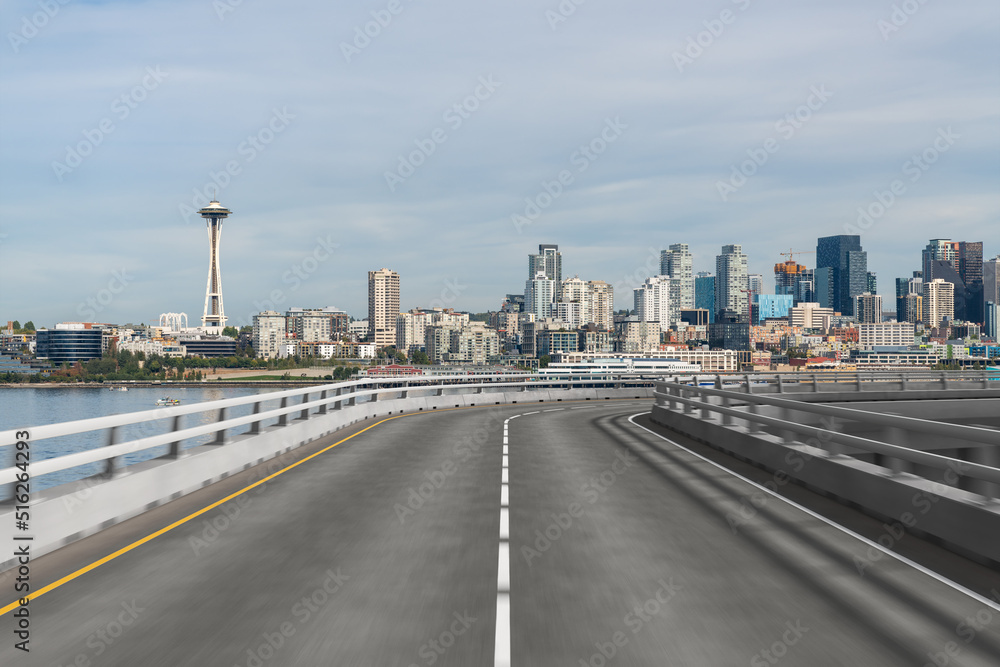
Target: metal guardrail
{"type": "Point", "coordinates": [692, 398]}
{"type": "Point", "coordinates": [332, 396]}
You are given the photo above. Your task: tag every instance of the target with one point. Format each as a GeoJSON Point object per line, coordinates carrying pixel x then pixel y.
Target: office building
{"type": "Point", "coordinates": [70, 342]}
{"type": "Point", "coordinates": [868, 308]}
{"type": "Point", "coordinates": [704, 293]}
{"type": "Point", "coordinates": [938, 302]}
{"type": "Point", "coordinates": [848, 275]}
{"type": "Point", "coordinates": [383, 307]}
{"type": "Point", "coordinates": [991, 280]}
{"type": "Point", "coordinates": [771, 306]}
{"type": "Point", "coordinates": [677, 262]}
{"type": "Point", "coordinates": [730, 331]}
{"type": "Point", "coordinates": [731, 281]}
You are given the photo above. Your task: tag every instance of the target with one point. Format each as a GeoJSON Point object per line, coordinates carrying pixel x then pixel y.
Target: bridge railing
{"type": "Point", "coordinates": [281, 406]}
{"type": "Point", "coordinates": [738, 406]}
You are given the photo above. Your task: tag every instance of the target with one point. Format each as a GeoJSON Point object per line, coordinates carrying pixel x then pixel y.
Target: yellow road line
{"type": "Point", "coordinates": [166, 529]}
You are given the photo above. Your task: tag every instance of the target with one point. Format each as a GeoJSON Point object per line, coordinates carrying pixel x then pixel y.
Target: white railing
{"type": "Point", "coordinates": [305, 402]}
{"type": "Point", "coordinates": [740, 407]}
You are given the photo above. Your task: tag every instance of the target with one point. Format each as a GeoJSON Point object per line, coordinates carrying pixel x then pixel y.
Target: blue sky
{"type": "Point", "coordinates": [825, 105]}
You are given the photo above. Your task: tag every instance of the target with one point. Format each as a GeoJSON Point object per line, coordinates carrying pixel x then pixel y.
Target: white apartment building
{"type": "Point", "coordinates": [268, 333]}
{"type": "Point", "coordinates": [383, 307]}
{"type": "Point", "coordinates": [939, 302]}
{"type": "Point", "coordinates": [658, 300]}
{"type": "Point", "coordinates": [731, 279]}
{"type": "Point", "coordinates": [894, 334]}
{"type": "Point", "coordinates": [810, 315]}
{"type": "Point", "coordinates": [677, 262]}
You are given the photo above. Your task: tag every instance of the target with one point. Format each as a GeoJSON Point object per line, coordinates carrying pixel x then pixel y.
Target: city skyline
{"type": "Point", "coordinates": [600, 137]}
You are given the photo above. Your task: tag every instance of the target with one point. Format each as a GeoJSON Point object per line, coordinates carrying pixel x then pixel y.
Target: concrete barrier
{"type": "Point", "coordinates": [965, 522]}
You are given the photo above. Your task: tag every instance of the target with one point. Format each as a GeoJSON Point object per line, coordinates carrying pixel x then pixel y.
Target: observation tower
{"type": "Point", "coordinates": [214, 316]}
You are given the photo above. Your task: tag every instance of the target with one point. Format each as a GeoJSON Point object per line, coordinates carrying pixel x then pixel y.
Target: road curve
{"type": "Point", "coordinates": [625, 549]}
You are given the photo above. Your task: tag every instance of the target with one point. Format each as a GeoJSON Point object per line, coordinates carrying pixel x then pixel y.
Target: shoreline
{"type": "Point", "coordinates": [187, 385]}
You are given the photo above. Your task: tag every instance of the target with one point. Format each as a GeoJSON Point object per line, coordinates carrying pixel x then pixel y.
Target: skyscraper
{"type": "Point", "coordinates": [657, 300]}
{"type": "Point", "coordinates": [539, 295]}
{"type": "Point", "coordinates": [970, 268]}
{"type": "Point", "coordinates": [939, 302]}
{"type": "Point", "coordinates": [548, 261]}
{"type": "Point", "coordinates": [704, 293]}
{"type": "Point", "coordinates": [731, 281]}
{"type": "Point", "coordinates": [849, 269]}
{"type": "Point", "coordinates": [938, 249]}
{"type": "Point", "coordinates": [678, 263]}
{"type": "Point", "coordinates": [868, 308]}
{"type": "Point", "coordinates": [991, 280]}
{"type": "Point", "coordinates": [214, 318]}
{"type": "Point", "coordinates": [905, 287]}
{"type": "Point", "coordinates": [383, 307]}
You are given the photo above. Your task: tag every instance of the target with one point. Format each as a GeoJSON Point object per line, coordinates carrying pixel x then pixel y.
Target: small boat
{"type": "Point", "coordinates": [122, 388]}
{"type": "Point", "coordinates": [166, 400]}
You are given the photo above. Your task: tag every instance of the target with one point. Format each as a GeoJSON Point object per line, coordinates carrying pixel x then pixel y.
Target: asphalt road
{"type": "Point", "coordinates": [624, 550]}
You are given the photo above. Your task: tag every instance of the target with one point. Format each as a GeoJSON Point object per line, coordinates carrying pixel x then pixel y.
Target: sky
{"type": "Point", "coordinates": [446, 140]}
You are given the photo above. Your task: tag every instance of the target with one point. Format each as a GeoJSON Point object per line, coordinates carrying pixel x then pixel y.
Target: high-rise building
{"type": "Point", "coordinates": [773, 306]}
{"type": "Point", "coordinates": [991, 280]}
{"type": "Point", "coordinates": [992, 319]}
{"type": "Point", "coordinates": [732, 283]}
{"type": "Point", "coordinates": [677, 262]}
{"type": "Point", "coordinates": [411, 330]}
{"type": "Point", "coordinates": [269, 332]}
{"type": "Point", "coordinates": [868, 308]}
{"type": "Point", "coordinates": [539, 294]}
{"type": "Point", "coordinates": [658, 300]}
{"type": "Point", "coordinates": [904, 287]}
{"type": "Point", "coordinates": [913, 308]}
{"type": "Point", "coordinates": [704, 293]}
{"type": "Point", "coordinates": [939, 302]}
{"type": "Point", "coordinates": [383, 307]}
{"type": "Point", "coordinates": [939, 249]}
{"type": "Point", "coordinates": [786, 276]}
{"type": "Point", "coordinates": [823, 286]}
{"type": "Point", "coordinates": [970, 269]}
{"type": "Point", "coordinates": [214, 318]}
{"type": "Point", "coordinates": [548, 261]}
{"type": "Point", "coordinates": [872, 283]}
{"type": "Point", "coordinates": [317, 324]}
{"type": "Point", "coordinates": [601, 304]}
{"type": "Point", "coordinates": [849, 270]}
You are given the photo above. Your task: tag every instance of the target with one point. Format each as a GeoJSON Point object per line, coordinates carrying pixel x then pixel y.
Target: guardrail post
{"type": "Point", "coordinates": [255, 426]}
{"type": "Point", "coordinates": [781, 385]}
{"type": "Point", "coordinates": [815, 384]}
{"type": "Point", "coordinates": [283, 419]}
{"type": "Point", "coordinates": [746, 380]}
{"type": "Point", "coordinates": [175, 446]}
{"type": "Point", "coordinates": [305, 413]}
{"type": "Point", "coordinates": [220, 435]}
{"type": "Point", "coordinates": [704, 406]}
{"type": "Point", "coordinates": [111, 465]}
{"type": "Point", "coordinates": [727, 420]}
{"type": "Point", "coordinates": [718, 382]}
{"type": "Point", "coordinates": [753, 426]}
{"type": "Point", "coordinates": [857, 379]}
{"type": "Point", "coordinates": [944, 379]}
{"type": "Point", "coordinates": [903, 384]}
{"type": "Point", "coordinates": [322, 408]}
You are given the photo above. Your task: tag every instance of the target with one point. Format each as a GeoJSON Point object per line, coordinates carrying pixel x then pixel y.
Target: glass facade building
{"type": "Point", "coordinates": [68, 345]}
{"type": "Point", "coordinates": [849, 269]}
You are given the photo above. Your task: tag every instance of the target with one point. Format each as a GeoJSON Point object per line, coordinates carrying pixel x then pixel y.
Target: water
{"type": "Point", "coordinates": [25, 407]}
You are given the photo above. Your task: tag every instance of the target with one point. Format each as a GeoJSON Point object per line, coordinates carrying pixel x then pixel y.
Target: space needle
{"type": "Point", "coordinates": [214, 319]}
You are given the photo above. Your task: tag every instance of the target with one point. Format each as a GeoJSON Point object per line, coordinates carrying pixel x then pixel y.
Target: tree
{"type": "Point", "coordinates": [17, 325]}
{"type": "Point", "coordinates": [29, 326]}
{"type": "Point", "coordinates": [231, 332]}
{"type": "Point", "coordinates": [420, 357]}
{"type": "Point", "coordinates": [544, 360]}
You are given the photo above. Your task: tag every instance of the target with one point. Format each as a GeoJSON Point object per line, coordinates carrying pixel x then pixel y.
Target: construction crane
{"type": "Point", "coordinates": [791, 252]}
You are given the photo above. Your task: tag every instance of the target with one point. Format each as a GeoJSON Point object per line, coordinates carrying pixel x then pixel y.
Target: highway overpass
{"type": "Point", "coordinates": [566, 528]}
